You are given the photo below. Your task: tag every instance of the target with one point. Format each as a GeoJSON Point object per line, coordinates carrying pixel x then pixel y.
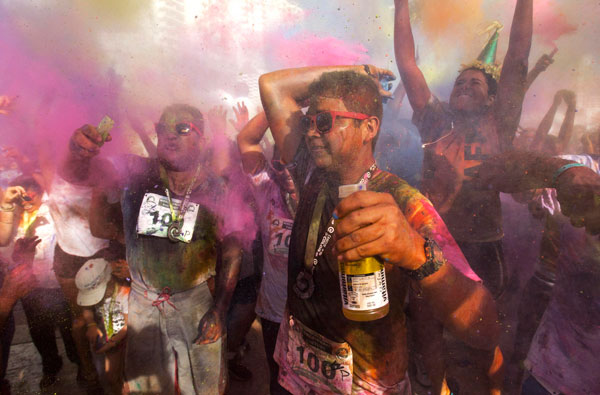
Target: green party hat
{"type": "Point", "coordinates": [486, 61]}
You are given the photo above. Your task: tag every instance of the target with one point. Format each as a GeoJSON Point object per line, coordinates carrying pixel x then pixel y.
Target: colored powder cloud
{"type": "Point", "coordinates": [550, 23]}
{"type": "Point", "coordinates": [305, 49]}
{"type": "Point", "coordinates": [448, 18]}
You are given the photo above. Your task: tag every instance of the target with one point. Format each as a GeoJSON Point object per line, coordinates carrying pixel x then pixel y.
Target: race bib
{"type": "Point", "coordinates": [155, 217]}
{"type": "Point", "coordinates": [320, 362]}
{"type": "Point", "coordinates": [280, 232]}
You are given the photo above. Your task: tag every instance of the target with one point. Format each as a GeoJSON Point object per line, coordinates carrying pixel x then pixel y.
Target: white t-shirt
{"type": "Point", "coordinates": [70, 206]}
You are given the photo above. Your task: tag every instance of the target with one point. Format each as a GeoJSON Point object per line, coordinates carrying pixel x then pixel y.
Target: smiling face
{"type": "Point", "coordinates": [341, 144]}
{"type": "Point", "coordinates": [175, 151]}
{"type": "Point", "coordinates": [470, 94]}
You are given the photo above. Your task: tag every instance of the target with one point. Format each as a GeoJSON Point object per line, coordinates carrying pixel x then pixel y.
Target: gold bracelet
{"type": "Point", "coordinates": [9, 208]}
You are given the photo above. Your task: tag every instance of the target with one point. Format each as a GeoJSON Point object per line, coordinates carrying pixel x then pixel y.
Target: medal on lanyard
{"type": "Point", "coordinates": [174, 230]}
{"type": "Point", "coordinates": [304, 286]}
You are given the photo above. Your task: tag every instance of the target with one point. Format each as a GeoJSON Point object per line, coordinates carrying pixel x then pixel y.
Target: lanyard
{"type": "Point", "coordinates": [312, 253]}
{"type": "Point", "coordinates": [304, 286]}
{"type": "Point", "coordinates": [186, 199]}
{"type": "Point", "coordinates": [27, 220]}
{"type": "Point", "coordinates": [109, 325]}
{"type": "Point", "coordinates": [174, 231]}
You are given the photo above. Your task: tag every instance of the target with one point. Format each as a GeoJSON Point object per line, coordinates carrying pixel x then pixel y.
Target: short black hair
{"type": "Point", "coordinates": [489, 79]}
{"type": "Point", "coordinates": [196, 114]}
{"type": "Point", "coordinates": [358, 92]}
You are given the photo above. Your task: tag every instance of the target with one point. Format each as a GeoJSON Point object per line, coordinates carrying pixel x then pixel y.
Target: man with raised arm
{"type": "Point", "coordinates": [318, 349]}
{"type": "Point", "coordinates": [276, 202]}
{"type": "Point", "coordinates": [175, 245]}
{"type": "Point", "coordinates": [479, 120]}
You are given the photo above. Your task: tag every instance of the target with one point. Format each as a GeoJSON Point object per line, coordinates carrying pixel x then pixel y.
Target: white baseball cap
{"type": "Point", "coordinates": [91, 280]}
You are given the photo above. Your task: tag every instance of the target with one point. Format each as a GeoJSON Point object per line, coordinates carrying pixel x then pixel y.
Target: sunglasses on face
{"type": "Point", "coordinates": [278, 165]}
{"type": "Point", "coordinates": [324, 121]}
{"type": "Point", "coordinates": [182, 128]}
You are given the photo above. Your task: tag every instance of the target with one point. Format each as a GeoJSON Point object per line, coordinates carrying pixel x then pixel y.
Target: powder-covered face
{"type": "Point", "coordinates": [341, 144]}
{"type": "Point", "coordinates": [175, 151]}
{"type": "Point", "coordinates": [470, 93]}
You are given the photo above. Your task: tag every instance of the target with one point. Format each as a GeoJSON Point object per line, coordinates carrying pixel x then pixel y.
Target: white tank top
{"type": "Point", "coordinates": [69, 206]}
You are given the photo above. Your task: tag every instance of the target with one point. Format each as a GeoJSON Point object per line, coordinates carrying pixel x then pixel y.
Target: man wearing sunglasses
{"type": "Point", "coordinates": [332, 145]}
{"type": "Point", "coordinates": [174, 239]}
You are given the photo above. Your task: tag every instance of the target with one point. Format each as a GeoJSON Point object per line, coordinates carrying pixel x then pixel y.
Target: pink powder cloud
{"type": "Point", "coordinates": [311, 50]}
{"type": "Point", "coordinates": [550, 23]}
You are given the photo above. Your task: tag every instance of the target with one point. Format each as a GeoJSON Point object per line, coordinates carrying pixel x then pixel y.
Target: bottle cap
{"type": "Point", "coordinates": [346, 190]}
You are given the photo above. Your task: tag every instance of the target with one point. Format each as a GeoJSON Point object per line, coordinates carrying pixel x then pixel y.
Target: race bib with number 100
{"type": "Point", "coordinates": [155, 217]}
{"type": "Point", "coordinates": [322, 363]}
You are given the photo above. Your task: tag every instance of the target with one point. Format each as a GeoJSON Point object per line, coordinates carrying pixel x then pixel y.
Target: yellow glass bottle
{"type": "Point", "coordinates": [362, 283]}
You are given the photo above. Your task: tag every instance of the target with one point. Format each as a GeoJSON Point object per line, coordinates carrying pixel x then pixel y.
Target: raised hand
{"type": "Point", "coordinates": [241, 116]}
{"type": "Point", "coordinates": [86, 141]}
{"type": "Point", "coordinates": [24, 250]}
{"type": "Point", "coordinates": [569, 97]}
{"type": "Point", "coordinates": [545, 61]}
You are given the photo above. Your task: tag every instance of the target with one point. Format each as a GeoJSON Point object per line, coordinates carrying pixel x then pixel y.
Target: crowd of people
{"type": "Point", "coordinates": [154, 268]}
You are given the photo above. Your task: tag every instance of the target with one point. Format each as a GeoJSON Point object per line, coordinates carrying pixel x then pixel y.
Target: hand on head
{"type": "Point", "coordinates": [378, 75]}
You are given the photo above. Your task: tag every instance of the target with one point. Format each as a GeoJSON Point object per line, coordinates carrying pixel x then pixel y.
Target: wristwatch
{"type": "Point", "coordinates": [434, 260]}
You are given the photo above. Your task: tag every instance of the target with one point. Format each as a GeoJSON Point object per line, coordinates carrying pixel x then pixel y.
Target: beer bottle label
{"type": "Point", "coordinates": [363, 285]}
